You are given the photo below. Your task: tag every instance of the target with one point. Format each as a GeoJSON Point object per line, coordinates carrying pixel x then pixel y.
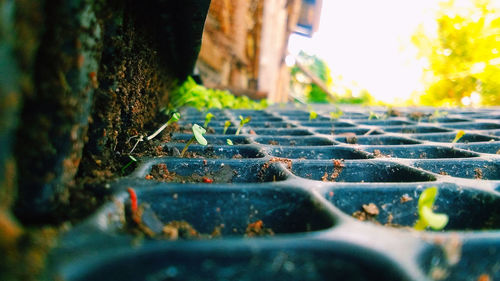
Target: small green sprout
{"type": "Point", "coordinates": [198, 132]}
{"type": "Point", "coordinates": [132, 160]}
{"type": "Point", "coordinates": [427, 217]}
{"type": "Point", "coordinates": [438, 114]}
{"type": "Point", "coordinates": [243, 121]}
{"type": "Point", "coordinates": [373, 115]}
{"type": "Point", "coordinates": [226, 126]}
{"type": "Point", "coordinates": [334, 115]}
{"type": "Point", "coordinates": [458, 136]}
{"type": "Point", "coordinates": [175, 117]}
{"type": "Point", "coordinates": [312, 115]}
{"type": "Point", "coordinates": [208, 117]}
{"type": "Point", "coordinates": [229, 142]}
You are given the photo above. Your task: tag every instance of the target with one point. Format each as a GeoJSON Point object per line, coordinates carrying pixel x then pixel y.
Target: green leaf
{"type": "Point", "coordinates": [208, 117]}
{"type": "Point", "coordinates": [373, 115]}
{"type": "Point", "coordinates": [243, 121]}
{"type": "Point", "coordinates": [192, 94]}
{"type": "Point", "coordinates": [458, 136]}
{"type": "Point", "coordinates": [226, 126]}
{"type": "Point", "coordinates": [312, 115]}
{"type": "Point", "coordinates": [229, 142]}
{"type": "Point", "coordinates": [427, 218]}
{"type": "Point", "coordinates": [198, 132]}
{"type": "Point", "coordinates": [175, 117]}
{"type": "Point", "coordinates": [434, 220]}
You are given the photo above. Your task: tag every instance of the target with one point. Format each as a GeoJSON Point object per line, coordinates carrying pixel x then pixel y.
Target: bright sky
{"type": "Point", "coordinates": [368, 42]}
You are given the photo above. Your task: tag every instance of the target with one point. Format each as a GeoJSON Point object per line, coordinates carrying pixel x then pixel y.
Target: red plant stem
{"type": "Point", "coordinates": [133, 199]}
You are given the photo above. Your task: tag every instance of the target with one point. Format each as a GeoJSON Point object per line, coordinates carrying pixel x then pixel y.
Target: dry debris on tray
{"type": "Point", "coordinates": [257, 229]}
{"type": "Point", "coordinates": [142, 220]}
{"type": "Point", "coordinates": [368, 212]}
{"type": "Point", "coordinates": [405, 198]}
{"type": "Point", "coordinates": [161, 173]}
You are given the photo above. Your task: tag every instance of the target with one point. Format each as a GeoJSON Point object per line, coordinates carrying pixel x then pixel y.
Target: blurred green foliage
{"type": "Point", "coordinates": [312, 93]}
{"type": "Point", "coordinates": [463, 61]}
{"type": "Point", "coordinates": [192, 94]}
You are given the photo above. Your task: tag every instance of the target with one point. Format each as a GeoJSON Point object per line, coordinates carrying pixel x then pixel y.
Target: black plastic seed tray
{"type": "Point", "coordinates": [301, 199]}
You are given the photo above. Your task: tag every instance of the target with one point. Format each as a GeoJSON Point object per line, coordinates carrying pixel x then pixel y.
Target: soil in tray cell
{"type": "Point", "coordinates": [444, 120]}
{"type": "Point", "coordinates": [321, 153]}
{"type": "Point", "coordinates": [195, 171]}
{"type": "Point", "coordinates": [211, 139]}
{"type": "Point", "coordinates": [470, 168]}
{"type": "Point", "coordinates": [448, 138]}
{"type": "Point", "coordinates": [219, 130]}
{"type": "Point", "coordinates": [415, 129]}
{"type": "Point", "coordinates": [384, 122]}
{"type": "Point", "coordinates": [397, 207]}
{"type": "Point", "coordinates": [492, 147]}
{"type": "Point", "coordinates": [310, 262]}
{"type": "Point", "coordinates": [376, 140]}
{"type": "Point", "coordinates": [195, 213]}
{"type": "Point", "coordinates": [454, 259]}
{"type": "Point", "coordinates": [473, 126]}
{"type": "Point", "coordinates": [418, 152]}
{"type": "Point", "coordinates": [355, 171]}
{"type": "Point", "coordinates": [348, 132]}
{"type": "Point", "coordinates": [282, 132]}
{"type": "Point", "coordinates": [293, 141]}
{"type": "Point", "coordinates": [209, 151]}
{"type": "Point", "coordinates": [267, 124]}
{"type": "Point", "coordinates": [337, 124]}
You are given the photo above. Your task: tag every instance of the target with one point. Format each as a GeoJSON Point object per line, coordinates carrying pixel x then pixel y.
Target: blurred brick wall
{"type": "Point", "coordinates": [244, 45]}
{"type": "Point", "coordinates": [230, 47]}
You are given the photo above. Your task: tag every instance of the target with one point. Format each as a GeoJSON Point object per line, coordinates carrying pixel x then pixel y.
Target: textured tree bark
{"type": "Point", "coordinates": [94, 73]}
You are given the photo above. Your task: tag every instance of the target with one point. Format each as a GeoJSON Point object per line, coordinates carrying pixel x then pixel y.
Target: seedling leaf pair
{"type": "Point", "coordinates": [427, 217]}
{"type": "Point", "coordinates": [175, 117]}
{"type": "Point", "coordinates": [243, 121]}
{"type": "Point", "coordinates": [198, 132]}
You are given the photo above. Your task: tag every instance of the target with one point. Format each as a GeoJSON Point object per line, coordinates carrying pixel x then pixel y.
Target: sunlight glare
{"type": "Point", "coordinates": [369, 42]}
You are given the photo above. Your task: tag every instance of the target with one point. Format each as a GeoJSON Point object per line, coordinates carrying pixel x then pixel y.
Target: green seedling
{"type": "Point", "coordinates": [229, 142]}
{"type": "Point", "coordinates": [208, 117]}
{"type": "Point", "coordinates": [175, 117]}
{"type": "Point", "coordinates": [334, 115]}
{"type": "Point", "coordinates": [243, 121]}
{"type": "Point", "coordinates": [373, 115]}
{"type": "Point", "coordinates": [458, 136]}
{"type": "Point", "coordinates": [426, 216]}
{"type": "Point", "coordinates": [438, 114]}
{"type": "Point", "coordinates": [198, 132]}
{"type": "Point", "coordinates": [312, 115]}
{"type": "Point", "coordinates": [132, 160]}
{"type": "Point", "coordinates": [226, 126]}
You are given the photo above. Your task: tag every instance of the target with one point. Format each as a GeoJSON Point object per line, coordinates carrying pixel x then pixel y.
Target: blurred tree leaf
{"type": "Point", "coordinates": [464, 60]}
{"type": "Point", "coordinates": [314, 93]}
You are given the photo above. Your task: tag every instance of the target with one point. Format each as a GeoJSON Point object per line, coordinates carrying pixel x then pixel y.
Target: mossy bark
{"type": "Point", "coordinates": [100, 73]}
{"type": "Point", "coordinates": [77, 78]}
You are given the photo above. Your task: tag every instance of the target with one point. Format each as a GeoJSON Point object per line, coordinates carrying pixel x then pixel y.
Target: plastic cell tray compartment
{"type": "Point", "coordinates": [307, 185]}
